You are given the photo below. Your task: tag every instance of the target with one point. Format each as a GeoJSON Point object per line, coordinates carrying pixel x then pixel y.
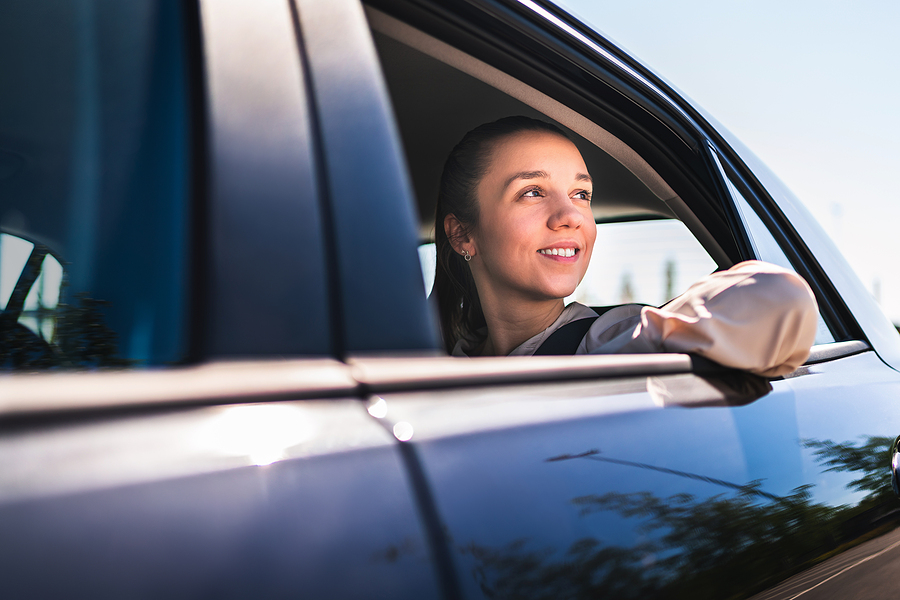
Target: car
{"type": "Point", "coordinates": [223, 376]}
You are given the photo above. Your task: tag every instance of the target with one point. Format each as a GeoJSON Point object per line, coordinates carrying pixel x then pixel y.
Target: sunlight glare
{"type": "Point", "coordinates": [261, 432]}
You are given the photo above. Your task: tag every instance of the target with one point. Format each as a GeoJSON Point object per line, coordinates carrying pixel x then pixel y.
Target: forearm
{"type": "Point", "coordinates": [754, 316]}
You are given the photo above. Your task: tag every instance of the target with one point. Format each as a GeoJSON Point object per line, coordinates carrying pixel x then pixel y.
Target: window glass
{"type": "Point", "coordinates": [36, 278]}
{"type": "Point", "coordinates": [428, 262]}
{"type": "Point", "coordinates": [766, 248]}
{"type": "Point", "coordinates": [94, 184]}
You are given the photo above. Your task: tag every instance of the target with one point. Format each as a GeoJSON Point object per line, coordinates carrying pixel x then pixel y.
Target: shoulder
{"type": "Point", "coordinates": [608, 326]}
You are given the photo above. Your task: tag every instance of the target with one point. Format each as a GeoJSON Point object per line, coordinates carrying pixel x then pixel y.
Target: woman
{"type": "Point", "coordinates": [514, 233]}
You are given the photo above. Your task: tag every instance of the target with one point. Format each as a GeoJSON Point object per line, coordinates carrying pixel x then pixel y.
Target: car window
{"type": "Point", "coordinates": [648, 262]}
{"type": "Point", "coordinates": [94, 185]}
{"type": "Point", "coordinates": [646, 252]}
{"type": "Point", "coordinates": [766, 248]}
{"type": "Point", "coordinates": [661, 226]}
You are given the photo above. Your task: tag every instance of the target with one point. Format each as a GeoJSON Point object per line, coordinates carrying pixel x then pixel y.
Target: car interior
{"type": "Point", "coordinates": [439, 93]}
{"type": "Point", "coordinates": [652, 242]}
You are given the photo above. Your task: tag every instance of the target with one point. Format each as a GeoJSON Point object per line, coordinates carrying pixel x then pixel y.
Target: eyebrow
{"type": "Point", "coordinates": [542, 175]}
{"type": "Point", "coordinates": [526, 175]}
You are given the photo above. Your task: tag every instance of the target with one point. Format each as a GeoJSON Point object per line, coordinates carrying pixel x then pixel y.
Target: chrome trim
{"type": "Point", "coordinates": [826, 352]}
{"type": "Point", "coordinates": [240, 382]}
{"type": "Point", "coordinates": [35, 394]}
{"type": "Point", "coordinates": [381, 375]}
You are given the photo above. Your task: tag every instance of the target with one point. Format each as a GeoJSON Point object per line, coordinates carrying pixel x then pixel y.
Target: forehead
{"type": "Point", "coordinates": [534, 150]}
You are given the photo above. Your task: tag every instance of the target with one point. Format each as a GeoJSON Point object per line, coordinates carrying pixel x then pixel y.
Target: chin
{"type": "Point", "coordinates": [559, 292]}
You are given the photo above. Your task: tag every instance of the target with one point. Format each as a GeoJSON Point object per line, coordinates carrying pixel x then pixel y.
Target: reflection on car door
{"type": "Point", "coordinates": [649, 484]}
{"type": "Point", "coordinates": [655, 487]}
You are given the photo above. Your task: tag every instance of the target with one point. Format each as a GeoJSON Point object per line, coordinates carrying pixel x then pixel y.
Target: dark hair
{"type": "Point", "coordinates": [457, 297]}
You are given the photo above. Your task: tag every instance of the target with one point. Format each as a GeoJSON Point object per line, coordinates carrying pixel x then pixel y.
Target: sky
{"type": "Point", "coordinates": [811, 87]}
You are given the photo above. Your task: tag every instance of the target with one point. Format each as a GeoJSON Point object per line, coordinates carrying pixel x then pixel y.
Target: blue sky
{"type": "Point", "coordinates": [811, 87]}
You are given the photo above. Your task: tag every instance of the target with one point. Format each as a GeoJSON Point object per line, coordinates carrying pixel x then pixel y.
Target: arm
{"type": "Point", "coordinates": [755, 316]}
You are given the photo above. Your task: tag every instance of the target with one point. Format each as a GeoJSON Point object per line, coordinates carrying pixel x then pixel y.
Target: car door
{"type": "Point", "coordinates": [646, 476]}
{"type": "Point", "coordinates": [229, 453]}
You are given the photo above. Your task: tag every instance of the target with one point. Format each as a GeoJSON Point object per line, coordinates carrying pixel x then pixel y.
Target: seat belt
{"type": "Point", "coordinates": [564, 341]}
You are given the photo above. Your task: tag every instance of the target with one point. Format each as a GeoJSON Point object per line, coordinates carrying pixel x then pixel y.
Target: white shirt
{"type": "Point", "coordinates": [755, 316]}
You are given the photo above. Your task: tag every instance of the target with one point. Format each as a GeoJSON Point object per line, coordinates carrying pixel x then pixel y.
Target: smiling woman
{"type": "Point", "coordinates": [514, 199]}
{"type": "Point", "coordinates": [514, 232]}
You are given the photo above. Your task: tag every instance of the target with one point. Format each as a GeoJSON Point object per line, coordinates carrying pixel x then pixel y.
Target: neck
{"type": "Point", "coordinates": [509, 325]}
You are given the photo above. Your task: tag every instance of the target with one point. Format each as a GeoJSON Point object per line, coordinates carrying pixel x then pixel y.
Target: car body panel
{"type": "Point", "coordinates": [339, 474]}
{"type": "Point", "coordinates": [370, 194]}
{"type": "Point", "coordinates": [228, 501]}
{"type": "Point", "coordinates": [656, 486]}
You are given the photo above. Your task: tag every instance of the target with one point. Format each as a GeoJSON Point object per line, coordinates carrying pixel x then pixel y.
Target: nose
{"type": "Point", "coordinates": [564, 214]}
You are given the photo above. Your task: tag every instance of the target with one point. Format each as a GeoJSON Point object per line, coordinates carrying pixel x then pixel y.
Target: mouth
{"type": "Point", "coordinates": [565, 252]}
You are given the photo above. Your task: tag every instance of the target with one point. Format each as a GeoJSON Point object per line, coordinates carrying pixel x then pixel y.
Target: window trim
{"type": "Point", "coordinates": [835, 313]}
{"type": "Point", "coordinates": [263, 204]}
{"type": "Point", "coordinates": [372, 228]}
{"type": "Point", "coordinates": [26, 397]}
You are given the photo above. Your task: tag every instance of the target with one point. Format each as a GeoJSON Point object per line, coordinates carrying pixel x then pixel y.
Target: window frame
{"type": "Point", "coordinates": [570, 72]}
{"type": "Point", "coordinates": [679, 133]}
{"type": "Point", "coordinates": [263, 204]}
{"type": "Point", "coordinates": [832, 309]}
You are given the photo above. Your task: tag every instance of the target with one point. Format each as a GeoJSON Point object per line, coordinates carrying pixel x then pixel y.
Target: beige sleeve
{"type": "Point", "coordinates": [755, 316]}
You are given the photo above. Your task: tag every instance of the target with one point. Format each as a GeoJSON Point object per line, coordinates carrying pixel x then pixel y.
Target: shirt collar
{"type": "Point", "coordinates": [574, 311]}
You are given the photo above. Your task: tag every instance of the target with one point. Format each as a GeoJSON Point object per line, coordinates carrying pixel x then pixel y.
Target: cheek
{"type": "Point", "coordinates": [590, 234]}
{"type": "Point", "coordinates": [501, 236]}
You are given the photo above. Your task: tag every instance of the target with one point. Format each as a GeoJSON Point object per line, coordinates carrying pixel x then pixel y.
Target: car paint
{"type": "Point", "coordinates": [423, 476]}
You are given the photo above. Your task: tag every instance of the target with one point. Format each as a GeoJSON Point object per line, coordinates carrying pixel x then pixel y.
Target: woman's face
{"type": "Point", "coordinates": [535, 228]}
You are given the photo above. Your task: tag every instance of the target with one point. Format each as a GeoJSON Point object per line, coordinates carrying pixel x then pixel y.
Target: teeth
{"type": "Point", "coordinates": [559, 251]}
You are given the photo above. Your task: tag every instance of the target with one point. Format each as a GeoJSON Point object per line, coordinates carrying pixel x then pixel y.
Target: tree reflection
{"type": "Point", "coordinates": [729, 545]}
{"type": "Point", "coordinates": [867, 459]}
{"type": "Point", "coordinates": [81, 340]}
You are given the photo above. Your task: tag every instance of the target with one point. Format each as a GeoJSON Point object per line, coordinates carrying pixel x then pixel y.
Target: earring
{"type": "Point", "coordinates": [466, 255]}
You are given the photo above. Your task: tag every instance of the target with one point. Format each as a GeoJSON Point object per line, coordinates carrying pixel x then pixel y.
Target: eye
{"type": "Point", "coordinates": [534, 192]}
{"type": "Point", "coordinates": [582, 195]}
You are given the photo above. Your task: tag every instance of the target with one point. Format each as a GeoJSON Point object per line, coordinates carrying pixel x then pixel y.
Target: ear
{"type": "Point", "coordinates": [458, 235]}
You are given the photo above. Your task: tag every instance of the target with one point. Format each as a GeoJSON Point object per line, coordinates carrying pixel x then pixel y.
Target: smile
{"type": "Point", "coordinates": [559, 251]}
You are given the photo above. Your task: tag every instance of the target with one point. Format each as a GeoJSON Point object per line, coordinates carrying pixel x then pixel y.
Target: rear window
{"type": "Point", "coordinates": [94, 184]}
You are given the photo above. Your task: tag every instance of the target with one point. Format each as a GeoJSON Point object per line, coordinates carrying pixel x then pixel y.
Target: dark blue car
{"type": "Point", "coordinates": [223, 375]}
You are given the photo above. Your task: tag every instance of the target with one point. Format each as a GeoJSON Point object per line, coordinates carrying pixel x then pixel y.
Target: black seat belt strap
{"type": "Point", "coordinates": [565, 340]}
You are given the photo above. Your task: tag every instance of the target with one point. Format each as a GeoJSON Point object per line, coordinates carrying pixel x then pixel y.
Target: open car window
{"type": "Point", "coordinates": [439, 93]}
{"type": "Point", "coordinates": [652, 242]}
